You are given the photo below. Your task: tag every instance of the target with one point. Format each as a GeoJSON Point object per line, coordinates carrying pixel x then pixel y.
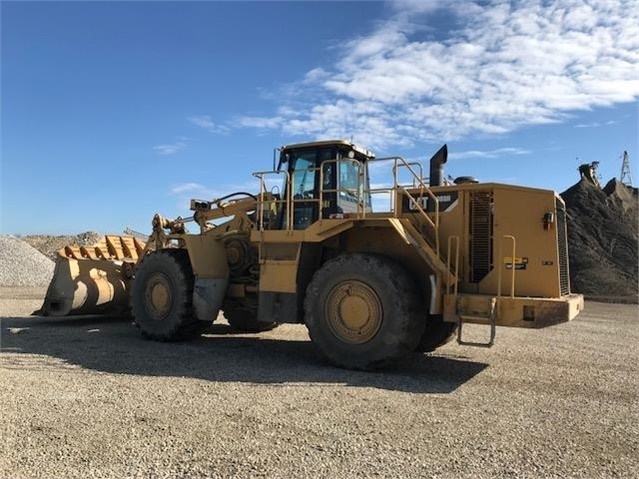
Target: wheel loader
{"type": "Point", "coordinates": [372, 285]}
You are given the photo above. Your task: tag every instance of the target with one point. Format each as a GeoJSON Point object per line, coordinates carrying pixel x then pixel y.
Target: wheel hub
{"type": "Point", "coordinates": [354, 312]}
{"type": "Point", "coordinates": [159, 298]}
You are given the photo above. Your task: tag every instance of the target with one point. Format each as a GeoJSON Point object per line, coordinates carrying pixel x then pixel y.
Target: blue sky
{"type": "Point", "coordinates": [114, 111]}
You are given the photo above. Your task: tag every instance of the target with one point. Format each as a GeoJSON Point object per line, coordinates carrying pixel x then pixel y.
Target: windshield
{"type": "Point", "coordinates": [303, 167]}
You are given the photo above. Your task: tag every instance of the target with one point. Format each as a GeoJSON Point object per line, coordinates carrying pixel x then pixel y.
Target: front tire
{"type": "Point", "coordinates": [364, 311]}
{"type": "Point", "coordinates": [437, 333]}
{"type": "Point", "coordinates": [162, 297]}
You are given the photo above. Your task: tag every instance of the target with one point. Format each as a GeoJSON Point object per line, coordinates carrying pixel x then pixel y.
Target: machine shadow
{"type": "Point", "coordinates": [113, 345]}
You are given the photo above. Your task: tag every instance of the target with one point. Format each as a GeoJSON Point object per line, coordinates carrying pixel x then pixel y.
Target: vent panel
{"type": "Point", "coordinates": [481, 235]}
{"type": "Point", "coordinates": [562, 243]}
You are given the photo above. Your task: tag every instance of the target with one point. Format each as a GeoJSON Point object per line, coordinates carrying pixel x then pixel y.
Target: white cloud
{"type": "Point", "coordinates": [258, 122]}
{"type": "Point", "coordinates": [187, 188]}
{"type": "Point", "coordinates": [316, 74]}
{"type": "Point", "coordinates": [169, 149]}
{"type": "Point", "coordinates": [501, 65]}
{"type": "Point", "coordinates": [186, 191]}
{"type": "Point", "coordinates": [499, 152]}
{"type": "Point", "coordinates": [205, 121]}
{"type": "Point", "coordinates": [595, 124]}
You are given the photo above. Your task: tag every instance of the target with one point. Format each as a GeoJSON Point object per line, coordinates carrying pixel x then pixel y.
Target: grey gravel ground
{"type": "Point", "coordinates": [90, 398]}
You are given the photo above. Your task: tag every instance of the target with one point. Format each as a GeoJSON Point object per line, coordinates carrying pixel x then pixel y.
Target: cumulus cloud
{"type": "Point", "coordinates": [500, 66]}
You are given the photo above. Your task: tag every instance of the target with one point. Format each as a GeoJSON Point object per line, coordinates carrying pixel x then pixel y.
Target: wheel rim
{"type": "Point", "coordinates": [353, 312]}
{"type": "Point", "coordinates": [159, 296]}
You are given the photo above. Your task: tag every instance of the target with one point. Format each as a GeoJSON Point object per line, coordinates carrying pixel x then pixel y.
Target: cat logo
{"type": "Point", "coordinates": [447, 202]}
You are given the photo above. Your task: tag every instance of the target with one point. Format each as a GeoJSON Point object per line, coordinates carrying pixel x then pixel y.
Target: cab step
{"type": "Point", "coordinates": [488, 319]}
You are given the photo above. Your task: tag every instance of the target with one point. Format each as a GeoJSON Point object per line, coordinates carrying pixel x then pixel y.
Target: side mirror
{"type": "Point", "coordinates": [284, 157]}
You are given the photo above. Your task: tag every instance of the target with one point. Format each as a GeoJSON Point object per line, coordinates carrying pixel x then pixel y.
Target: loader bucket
{"type": "Point", "coordinates": [92, 280]}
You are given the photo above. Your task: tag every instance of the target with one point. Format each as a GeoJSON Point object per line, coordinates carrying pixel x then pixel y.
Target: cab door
{"type": "Point", "coordinates": [304, 192]}
{"type": "Point", "coordinates": [304, 171]}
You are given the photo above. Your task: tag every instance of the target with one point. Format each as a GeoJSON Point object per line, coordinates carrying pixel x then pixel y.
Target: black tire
{"type": "Point", "coordinates": [244, 318]}
{"type": "Point", "coordinates": [437, 333]}
{"type": "Point", "coordinates": [162, 297]}
{"type": "Point", "coordinates": [370, 291]}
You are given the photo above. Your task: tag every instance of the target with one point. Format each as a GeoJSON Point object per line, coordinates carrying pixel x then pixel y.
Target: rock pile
{"type": "Point", "coordinates": [603, 239]}
{"type": "Point", "coordinates": [23, 265]}
{"type": "Point", "coordinates": [49, 245]}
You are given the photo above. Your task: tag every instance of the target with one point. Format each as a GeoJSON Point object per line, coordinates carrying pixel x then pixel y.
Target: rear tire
{"type": "Point", "coordinates": [162, 297]}
{"type": "Point", "coordinates": [364, 311]}
{"type": "Point", "coordinates": [437, 333]}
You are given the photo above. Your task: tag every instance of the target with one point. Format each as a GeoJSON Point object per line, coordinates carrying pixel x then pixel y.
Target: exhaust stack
{"type": "Point", "coordinates": [436, 177]}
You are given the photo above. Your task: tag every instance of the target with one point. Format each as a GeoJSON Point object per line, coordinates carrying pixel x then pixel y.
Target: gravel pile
{"type": "Point", "coordinates": [49, 245]}
{"type": "Point", "coordinates": [602, 237]}
{"type": "Point", "coordinates": [23, 265]}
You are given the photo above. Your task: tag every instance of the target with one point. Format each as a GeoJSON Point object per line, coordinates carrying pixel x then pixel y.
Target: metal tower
{"type": "Point", "coordinates": [625, 177]}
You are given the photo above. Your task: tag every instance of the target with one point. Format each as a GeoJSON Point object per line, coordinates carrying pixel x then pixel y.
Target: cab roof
{"type": "Point", "coordinates": [316, 144]}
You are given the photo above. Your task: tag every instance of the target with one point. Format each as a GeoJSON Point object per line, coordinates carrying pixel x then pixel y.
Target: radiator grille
{"type": "Point", "coordinates": [562, 243]}
{"type": "Point", "coordinates": [481, 235]}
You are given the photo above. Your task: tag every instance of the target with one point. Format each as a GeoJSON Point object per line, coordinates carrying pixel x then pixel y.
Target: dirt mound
{"type": "Point", "coordinates": [49, 245]}
{"type": "Point", "coordinates": [22, 265]}
{"type": "Point", "coordinates": [603, 226]}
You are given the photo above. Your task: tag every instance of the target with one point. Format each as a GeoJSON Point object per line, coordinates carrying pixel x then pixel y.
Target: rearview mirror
{"type": "Point", "coordinates": [284, 157]}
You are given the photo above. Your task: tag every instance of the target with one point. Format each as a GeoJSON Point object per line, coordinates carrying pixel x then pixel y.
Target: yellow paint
{"type": "Point", "coordinates": [280, 277]}
{"type": "Point", "coordinates": [518, 260]}
{"type": "Point", "coordinates": [207, 255]}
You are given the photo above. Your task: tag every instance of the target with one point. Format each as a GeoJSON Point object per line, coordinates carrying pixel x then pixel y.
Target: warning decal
{"type": "Point", "coordinates": [520, 262]}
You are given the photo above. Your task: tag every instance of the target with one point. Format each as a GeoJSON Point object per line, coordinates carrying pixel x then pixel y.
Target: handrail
{"type": "Point", "coordinates": [499, 268]}
{"type": "Point", "coordinates": [399, 162]}
{"type": "Point", "coordinates": [432, 197]}
{"type": "Point", "coordinates": [389, 191]}
{"type": "Point", "coordinates": [290, 207]}
{"type": "Point", "coordinates": [408, 164]}
{"type": "Point", "coordinates": [422, 187]}
{"type": "Point", "coordinates": [363, 189]}
{"type": "Point", "coordinates": [435, 224]}
{"type": "Point", "coordinates": [403, 190]}
{"type": "Point", "coordinates": [260, 176]}
{"type": "Point", "coordinates": [448, 273]}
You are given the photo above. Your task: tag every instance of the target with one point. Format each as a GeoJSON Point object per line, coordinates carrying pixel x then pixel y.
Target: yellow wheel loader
{"type": "Point", "coordinates": [371, 285]}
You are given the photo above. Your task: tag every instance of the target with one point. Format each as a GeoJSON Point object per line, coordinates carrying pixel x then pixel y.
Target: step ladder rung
{"type": "Point", "coordinates": [483, 319]}
{"type": "Point", "coordinates": [488, 320]}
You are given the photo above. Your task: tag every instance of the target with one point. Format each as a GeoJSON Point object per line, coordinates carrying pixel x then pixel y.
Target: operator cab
{"type": "Point", "coordinates": [337, 168]}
